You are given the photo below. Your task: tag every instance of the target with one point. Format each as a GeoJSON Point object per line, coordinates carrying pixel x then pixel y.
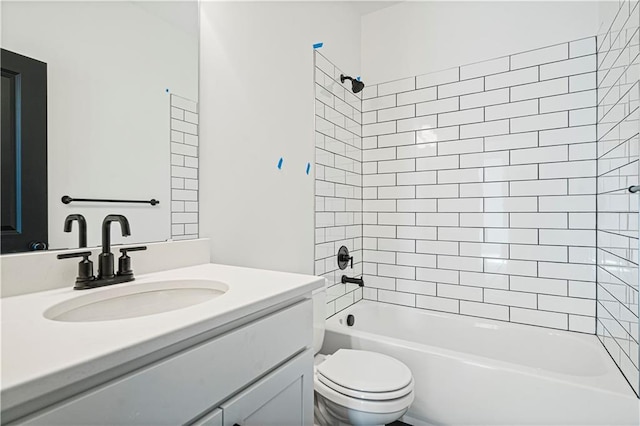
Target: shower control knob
{"type": "Point", "coordinates": [343, 258]}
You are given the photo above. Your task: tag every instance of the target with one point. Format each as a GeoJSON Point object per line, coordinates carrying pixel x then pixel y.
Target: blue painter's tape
{"type": "Point", "coordinates": [308, 168]}
{"type": "Point", "coordinates": [317, 45]}
{"type": "Point", "coordinates": [280, 163]}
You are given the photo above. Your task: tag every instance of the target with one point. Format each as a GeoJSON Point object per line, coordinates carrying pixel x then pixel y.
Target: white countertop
{"type": "Point", "coordinates": [41, 355]}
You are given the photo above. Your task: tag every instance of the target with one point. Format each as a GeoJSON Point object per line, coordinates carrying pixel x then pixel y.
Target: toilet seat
{"type": "Point", "coordinates": [364, 381]}
{"type": "Point", "coordinates": [368, 406]}
{"type": "Point", "coordinates": [365, 371]}
{"type": "Point", "coordinates": [371, 396]}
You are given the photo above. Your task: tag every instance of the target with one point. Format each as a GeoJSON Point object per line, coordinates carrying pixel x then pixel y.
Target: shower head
{"type": "Point", "coordinates": [356, 85]}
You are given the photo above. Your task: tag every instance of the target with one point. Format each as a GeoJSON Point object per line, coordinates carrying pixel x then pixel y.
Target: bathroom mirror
{"type": "Point", "coordinates": [111, 69]}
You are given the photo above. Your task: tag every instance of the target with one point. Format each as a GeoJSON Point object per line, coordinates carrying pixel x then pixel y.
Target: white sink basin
{"type": "Point", "coordinates": [135, 300]}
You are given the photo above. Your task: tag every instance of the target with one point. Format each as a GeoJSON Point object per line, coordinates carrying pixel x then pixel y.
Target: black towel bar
{"type": "Point", "coordinates": [66, 200]}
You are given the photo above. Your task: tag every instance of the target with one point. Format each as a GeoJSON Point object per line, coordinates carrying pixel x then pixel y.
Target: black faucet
{"type": "Point", "coordinates": [82, 224]}
{"type": "Point", "coordinates": [106, 274]}
{"type": "Point", "coordinates": [105, 259]}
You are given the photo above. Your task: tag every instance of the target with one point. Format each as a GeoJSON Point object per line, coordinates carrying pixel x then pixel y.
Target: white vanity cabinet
{"type": "Point", "coordinates": [260, 373]}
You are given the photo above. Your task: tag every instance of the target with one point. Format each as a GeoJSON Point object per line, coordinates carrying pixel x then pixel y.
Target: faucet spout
{"type": "Point", "coordinates": [82, 224]}
{"type": "Point", "coordinates": [105, 259]}
{"type": "Point", "coordinates": [106, 230]}
{"type": "Point", "coordinates": [347, 280]}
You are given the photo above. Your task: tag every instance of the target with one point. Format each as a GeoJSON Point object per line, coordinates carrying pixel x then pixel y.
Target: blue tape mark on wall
{"type": "Point", "coordinates": [317, 45]}
{"type": "Point", "coordinates": [280, 163]}
{"type": "Point", "coordinates": [308, 168]}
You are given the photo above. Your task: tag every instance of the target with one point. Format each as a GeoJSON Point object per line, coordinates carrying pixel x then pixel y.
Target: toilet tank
{"type": "Point", "coordinates": [319, 317]}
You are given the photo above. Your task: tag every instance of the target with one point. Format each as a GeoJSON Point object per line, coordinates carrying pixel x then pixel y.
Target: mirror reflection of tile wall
{"type": "Point", "coordinates": [184, 168]}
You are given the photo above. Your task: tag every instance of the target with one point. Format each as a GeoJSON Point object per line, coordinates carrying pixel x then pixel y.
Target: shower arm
{"type": "Point", "coordinates": [345, 77]}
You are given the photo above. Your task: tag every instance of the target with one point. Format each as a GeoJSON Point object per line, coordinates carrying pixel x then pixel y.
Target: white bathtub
{"type": "Point", "coordinates": [471, 371]}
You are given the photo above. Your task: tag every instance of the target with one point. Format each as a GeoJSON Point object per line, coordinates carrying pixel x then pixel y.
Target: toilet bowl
{"type": "Point", "coordinates": [354, 387]}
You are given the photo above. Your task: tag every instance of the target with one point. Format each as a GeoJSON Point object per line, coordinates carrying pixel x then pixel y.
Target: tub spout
{"type": "Point", "coordinates": [346, 279]}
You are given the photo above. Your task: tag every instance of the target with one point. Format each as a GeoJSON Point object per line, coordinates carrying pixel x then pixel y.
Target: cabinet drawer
{"type": "Point", "coordinates": [182, 387]}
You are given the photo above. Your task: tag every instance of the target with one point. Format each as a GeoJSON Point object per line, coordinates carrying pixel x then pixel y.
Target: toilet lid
{"type": "Point", "coordinates": [370, 396]}
{"type": "Point", "coordinates": [365, 371]}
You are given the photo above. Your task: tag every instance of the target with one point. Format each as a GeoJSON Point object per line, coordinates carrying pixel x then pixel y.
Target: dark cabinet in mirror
{"type": "Point", "coordinates": [24, 153]}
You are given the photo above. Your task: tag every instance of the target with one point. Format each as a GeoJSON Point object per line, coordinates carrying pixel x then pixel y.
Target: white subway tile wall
{"type": "Point", "coordinates": [472, 177]}
{"type": "Point", "coordinates": [617, 225]}
{"type": "Point", "coordinates": [184, 168]}
{"type": "Point", "coordinates": [339, 198]}
{"type": "Point", "coordinates": [479, 186]}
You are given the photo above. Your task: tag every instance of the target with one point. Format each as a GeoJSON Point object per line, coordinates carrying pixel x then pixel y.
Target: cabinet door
{"type": "Point", "coordinates": [282, 398]}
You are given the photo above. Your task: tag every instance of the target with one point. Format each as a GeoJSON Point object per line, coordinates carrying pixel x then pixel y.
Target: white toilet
{"type": "Point", "coordinates": [356, 387]}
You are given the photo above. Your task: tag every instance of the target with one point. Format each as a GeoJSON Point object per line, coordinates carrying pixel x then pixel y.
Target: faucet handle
{"type": "Point", "coordinates": [128, 249]}
{"type": "Point", "coordinates": [84, 254]}
{"type": "Point", "coordinates": [85, 268]}
{"type": "Point", "coordinates": [124, 261]}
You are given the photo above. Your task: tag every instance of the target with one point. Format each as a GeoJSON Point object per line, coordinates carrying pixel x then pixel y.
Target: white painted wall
{"type": "Point", "coordinates": [607, 11]}
{"type": "Point", "coordinates": [413, 38]}
{"type": "Point", "coordinates": [257, 105]}
{"type": "Point", "coordinates": [108, 66]}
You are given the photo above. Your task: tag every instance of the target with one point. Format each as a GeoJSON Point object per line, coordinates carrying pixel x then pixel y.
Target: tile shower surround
{"type": "Point", "coordinates": [617, 224]}
{"type": "Point", "coordinates": [478, 187]}
{"type": "Point", "coordinates": [338, 182]}
{"type": "Point", "coordinates": [184, 168]}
